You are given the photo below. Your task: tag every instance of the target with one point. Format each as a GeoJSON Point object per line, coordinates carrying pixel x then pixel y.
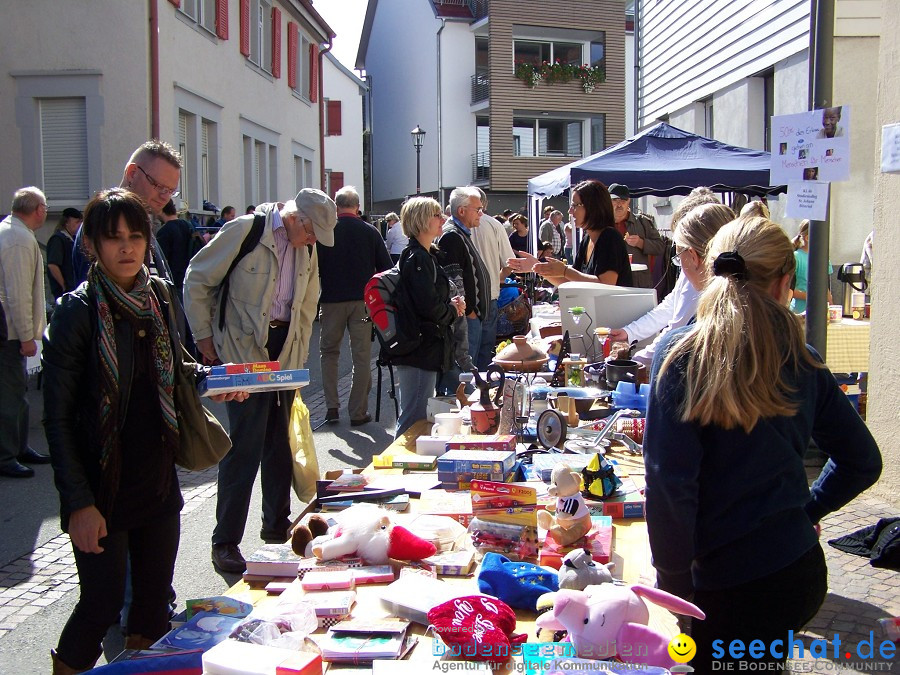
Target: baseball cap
{"type": "Point", "coordinates": [321, 210]}
{"type": "Point", "coordinates": [72, 213]}
{"type": "Point", "coordinates": [617, 191]}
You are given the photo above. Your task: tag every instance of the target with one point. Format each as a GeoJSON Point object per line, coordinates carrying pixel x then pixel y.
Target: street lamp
{"type": "Point", "coordinates": [418, 136]}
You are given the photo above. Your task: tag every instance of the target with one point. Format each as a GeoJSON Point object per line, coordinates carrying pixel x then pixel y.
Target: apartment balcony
{"type": "Point", "coordinates": [481, 167]}
{"type": "Point", "coordinates": [476, 9]}
{"type": "Point", "coordinates": [481, 87]}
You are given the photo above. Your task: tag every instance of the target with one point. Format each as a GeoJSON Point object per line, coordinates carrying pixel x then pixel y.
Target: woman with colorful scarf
{"type": "Point", "coordinates": [108, 361]}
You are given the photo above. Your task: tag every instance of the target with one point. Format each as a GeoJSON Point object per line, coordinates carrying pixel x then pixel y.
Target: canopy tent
{"type": "Point", "coordinates": [664, 160]}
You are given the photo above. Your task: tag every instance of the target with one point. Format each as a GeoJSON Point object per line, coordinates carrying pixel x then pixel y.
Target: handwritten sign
{"type": "Point", "coordinates": [811, 146]}
{"type": "Point", "coordinates": [890, 148]}
{"type": "Point", "coordinates": [806, 199]}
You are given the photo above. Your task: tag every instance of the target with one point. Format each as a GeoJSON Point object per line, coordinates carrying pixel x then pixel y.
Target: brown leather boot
{"type": "Point", "coordinates": [136, 641]}
{"type": "Point", "coordinates": [60, 668]}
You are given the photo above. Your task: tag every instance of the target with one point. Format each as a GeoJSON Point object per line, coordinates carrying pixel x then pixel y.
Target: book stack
{"type": "Point", "coordinates": [273, 560]}
{"type": "Point", "coordinates": [504, 519]}
{"type": "Point", "coordinates": [598, 541]}
{"type": "Point", "coordinates": [259, 376]}
{"type": "Point", "coordinates": [457, 469]}
{"type": "Point", "coordinates": [365, 640]}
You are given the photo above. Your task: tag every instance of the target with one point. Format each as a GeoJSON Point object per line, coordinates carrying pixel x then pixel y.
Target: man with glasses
{"type": "Point", "coordinates": [642, 239]}
{"type": "Point", "coordinates": [152, 173]}
{"type": "Point", "coordinates": [268, 316]}
{"type": "Point", "coordinates": [22, 297]}
{"type": "Point", "coordinates": [459, 252]}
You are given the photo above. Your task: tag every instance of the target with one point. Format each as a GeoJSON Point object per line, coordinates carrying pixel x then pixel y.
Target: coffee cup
{"type": "Point", "coordinates": [447, 424]}
{"type": "Point", "coordinates": [835, 313]}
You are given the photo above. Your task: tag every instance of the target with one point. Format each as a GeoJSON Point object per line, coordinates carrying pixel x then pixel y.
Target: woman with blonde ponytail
{"type": "Point", "coordinates": [736, 398]}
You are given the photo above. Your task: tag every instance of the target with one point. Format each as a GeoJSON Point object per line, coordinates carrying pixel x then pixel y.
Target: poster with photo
{"type": "Point", "coordinates": [811, 146]}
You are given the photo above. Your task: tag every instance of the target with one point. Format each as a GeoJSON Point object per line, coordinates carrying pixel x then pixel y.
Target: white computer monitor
{"type": "Point", "coordinates": [605, 305]}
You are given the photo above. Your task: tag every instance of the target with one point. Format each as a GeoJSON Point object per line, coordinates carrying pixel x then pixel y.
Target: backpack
{"type": "Point", "coordinates": [249, 243]}
{"type": "Point", "coordinates": [391, 312]}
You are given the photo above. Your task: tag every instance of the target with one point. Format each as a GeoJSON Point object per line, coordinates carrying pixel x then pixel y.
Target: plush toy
{"type": "Point", "coordinates": [578, 570]}
{"type": "Point", "coordinates": [572, 520]}
{"type": "Point", "coordinates": [607, 621]}
{"type": "Point", "coordinates": [365, 531]}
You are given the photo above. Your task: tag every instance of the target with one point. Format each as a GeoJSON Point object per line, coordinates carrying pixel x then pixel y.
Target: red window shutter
{"type": "Point", "coordinates": [334, 118]}
{"type": "Point", "coordinates": [245, 27]}
{"type": "Point", "coordinates": [276, 42]}
{"type": "Point", "coordinates": [177, 3]}
{"type": "Point", "coordinates": [313, 72]}
{"type": "Point", "coordinates": [221, 19]}
{"type": "Point", "coordinates": [292, 54]}
{"type": "Point", "coordinates": [337, 182]}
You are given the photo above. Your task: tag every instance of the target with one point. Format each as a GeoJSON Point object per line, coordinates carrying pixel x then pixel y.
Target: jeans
{"type": "Point", "coordinates": [335, 318]}
{"type": "Point", "coordinates": [259, 430]}
{"type": "Point", "coordinates": [152, 550]}
{"type": "Point", "coordinates": [763, 609]}
{"type": "Point", "coordinates": [488, 344]}
{"type": "Point", "coordinates": [13, 404]}
{"type": "Point", "coordinates": [415, 387]}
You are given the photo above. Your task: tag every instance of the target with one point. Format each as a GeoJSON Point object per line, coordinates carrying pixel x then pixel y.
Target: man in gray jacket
{"type": "Point", "coordinates": [269, 313]}
{"type": "Point", "coordinates": [22, 297]}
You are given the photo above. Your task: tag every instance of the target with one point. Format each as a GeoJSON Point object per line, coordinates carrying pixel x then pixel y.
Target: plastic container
{"type": "Point", "coordinates": [625, 396]}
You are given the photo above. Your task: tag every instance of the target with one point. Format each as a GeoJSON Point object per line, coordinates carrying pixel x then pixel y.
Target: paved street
{"type": "Point", "coordinates": [38, 582]}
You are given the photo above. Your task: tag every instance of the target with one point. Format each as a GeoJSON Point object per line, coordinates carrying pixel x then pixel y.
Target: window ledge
{"type": "Point", "coordinates": [301, 97]}
{"type": "Point", "coordinates": [259, 69]}
{"type": "Point", "coordinates": [187, 20]}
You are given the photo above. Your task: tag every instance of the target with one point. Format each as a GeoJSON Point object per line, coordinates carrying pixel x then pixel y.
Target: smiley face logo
{"type": "Point", "coordinates": [682, 648]}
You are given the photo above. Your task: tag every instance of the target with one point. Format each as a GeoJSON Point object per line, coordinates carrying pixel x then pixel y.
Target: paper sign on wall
{"type": "Point", "coordinates": [811, 146]}
{"type": "Point", "coordinates": [890, 148]}
{"type": "Point", "coordinates": [807, 199]}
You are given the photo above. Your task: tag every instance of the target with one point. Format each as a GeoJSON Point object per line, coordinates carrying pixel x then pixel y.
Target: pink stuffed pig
{"type": "Point", "coordinates": [606, 621]}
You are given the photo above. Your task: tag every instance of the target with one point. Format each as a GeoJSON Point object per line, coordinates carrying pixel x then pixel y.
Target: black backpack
{"type": "Point", "coordinates": [249, 243]}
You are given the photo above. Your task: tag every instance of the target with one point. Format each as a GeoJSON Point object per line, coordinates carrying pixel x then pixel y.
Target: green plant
{"type": "Point", "coordinates": [559, 73]}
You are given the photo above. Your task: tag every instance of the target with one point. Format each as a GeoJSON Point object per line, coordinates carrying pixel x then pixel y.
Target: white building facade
{"type": "Point", "coordinates": [344, 94]}
{"type": "Point", "coordinates": [233, 84]}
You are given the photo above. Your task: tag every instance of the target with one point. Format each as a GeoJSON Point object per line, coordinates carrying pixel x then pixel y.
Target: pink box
{"type": "Point", "coordinates": [480, 442]}
{"type": "Point", "coordinates": [327, 580]}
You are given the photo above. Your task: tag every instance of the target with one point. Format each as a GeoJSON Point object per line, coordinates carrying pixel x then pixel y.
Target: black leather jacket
{"type": "Point", "coordinates": [429, 292]}
{"type": "Point", "coordinates": [72, 391]}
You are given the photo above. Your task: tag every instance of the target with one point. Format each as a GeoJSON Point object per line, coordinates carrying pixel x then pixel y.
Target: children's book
{"type": "Point", "coordinates": [276, 560]}
{"type": "Point", "coordinates": [202, 631]}
{"type": "Point", "coordinates": [219, 604]}
{"type": "Point", "coordinates": [364, 640]}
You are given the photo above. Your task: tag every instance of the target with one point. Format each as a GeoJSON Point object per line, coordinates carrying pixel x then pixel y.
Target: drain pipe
{"type": "Point", "coordinates": [321, 86]}
{"type": "Point", "coordinates": [440, 138]}
{"type": "Point", "coordinates": [154, 69]}
{"type": "Point", "coordinates": [637, 66]}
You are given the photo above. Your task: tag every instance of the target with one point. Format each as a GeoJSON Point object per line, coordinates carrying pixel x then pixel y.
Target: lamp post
{"type": "Point", "coordinates": [418, 136]}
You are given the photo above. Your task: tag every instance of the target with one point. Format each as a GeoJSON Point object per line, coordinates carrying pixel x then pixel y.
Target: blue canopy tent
{"type": "Point", "coordinates": [664, 160]}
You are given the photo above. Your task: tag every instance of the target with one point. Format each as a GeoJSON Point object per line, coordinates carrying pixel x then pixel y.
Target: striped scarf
{"type": "Point", "coordinates": [139, 307]}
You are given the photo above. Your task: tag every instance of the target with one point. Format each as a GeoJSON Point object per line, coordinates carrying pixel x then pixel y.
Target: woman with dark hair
{"type": "Point", "coordinates": [109, 360]}
{"type": "Point", "coordinates": [601, 257]}
{"type": "Point", "coordinates": [427, 289]}
{"type": "Point", "coordinates": [60, 272]}
{"type": "Point", "coordinates": [518, 238]}
{"type": "Point", "coordinates": [737, 396]}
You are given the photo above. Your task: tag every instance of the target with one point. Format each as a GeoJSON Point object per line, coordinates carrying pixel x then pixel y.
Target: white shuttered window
{"type": "Point", "coordinates": [64, 158]}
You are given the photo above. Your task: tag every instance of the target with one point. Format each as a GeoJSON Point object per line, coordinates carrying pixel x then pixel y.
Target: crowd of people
{"type": "Point", "coordinates": [736, 395]}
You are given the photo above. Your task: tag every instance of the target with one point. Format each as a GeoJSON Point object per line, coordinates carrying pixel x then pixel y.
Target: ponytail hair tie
{"type": "Point", "coordinates": [730, 264]}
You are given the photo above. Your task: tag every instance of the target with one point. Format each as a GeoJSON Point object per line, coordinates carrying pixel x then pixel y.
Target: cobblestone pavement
{"type": "Point", "coordinates": [859, 594]}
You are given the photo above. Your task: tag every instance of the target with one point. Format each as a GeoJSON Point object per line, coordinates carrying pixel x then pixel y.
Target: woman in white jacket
{"type": "Point", "coordinates": [692, 234]}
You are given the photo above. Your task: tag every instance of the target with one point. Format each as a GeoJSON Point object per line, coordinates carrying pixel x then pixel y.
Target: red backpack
{"type": "Point", "coordinates": [392, 313]}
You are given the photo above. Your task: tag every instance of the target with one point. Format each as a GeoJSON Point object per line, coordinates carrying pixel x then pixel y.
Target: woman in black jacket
{"type": "Point", "coordinates": [109, 416]}
{"type": "Point", "coordinates": [427, 291]}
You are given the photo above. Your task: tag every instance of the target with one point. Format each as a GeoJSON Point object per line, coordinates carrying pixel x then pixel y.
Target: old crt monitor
{"type": "Point", "coordinates": [610, 306]}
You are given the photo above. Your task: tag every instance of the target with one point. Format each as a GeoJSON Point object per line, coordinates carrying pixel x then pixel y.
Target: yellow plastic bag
{"type": "Point", "coordinates": [303, 451]}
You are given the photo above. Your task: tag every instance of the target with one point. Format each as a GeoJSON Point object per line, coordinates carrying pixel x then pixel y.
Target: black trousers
{"type": "Point", "coordinates": [152, 549]}
{"type": "Point", "coordinates": [259, 438]}
{"type": "Point", "coordinates": [764, 609]}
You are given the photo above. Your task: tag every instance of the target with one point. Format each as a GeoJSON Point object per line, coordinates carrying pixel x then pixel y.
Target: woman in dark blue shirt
{"type": "Point", "coordinates": [737, 396]}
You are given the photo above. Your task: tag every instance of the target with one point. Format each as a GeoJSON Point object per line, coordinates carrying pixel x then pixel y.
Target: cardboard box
{"type": "Point", "coordinates": [440, 404]}
{"type": "Point", "coordinates": [456, 461]}
{"type": "Point", "coordinates": [505, 442]}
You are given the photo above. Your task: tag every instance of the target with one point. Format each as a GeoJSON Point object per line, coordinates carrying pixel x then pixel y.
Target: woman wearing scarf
{"type": "Point", "coordinates": [110, 421]}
